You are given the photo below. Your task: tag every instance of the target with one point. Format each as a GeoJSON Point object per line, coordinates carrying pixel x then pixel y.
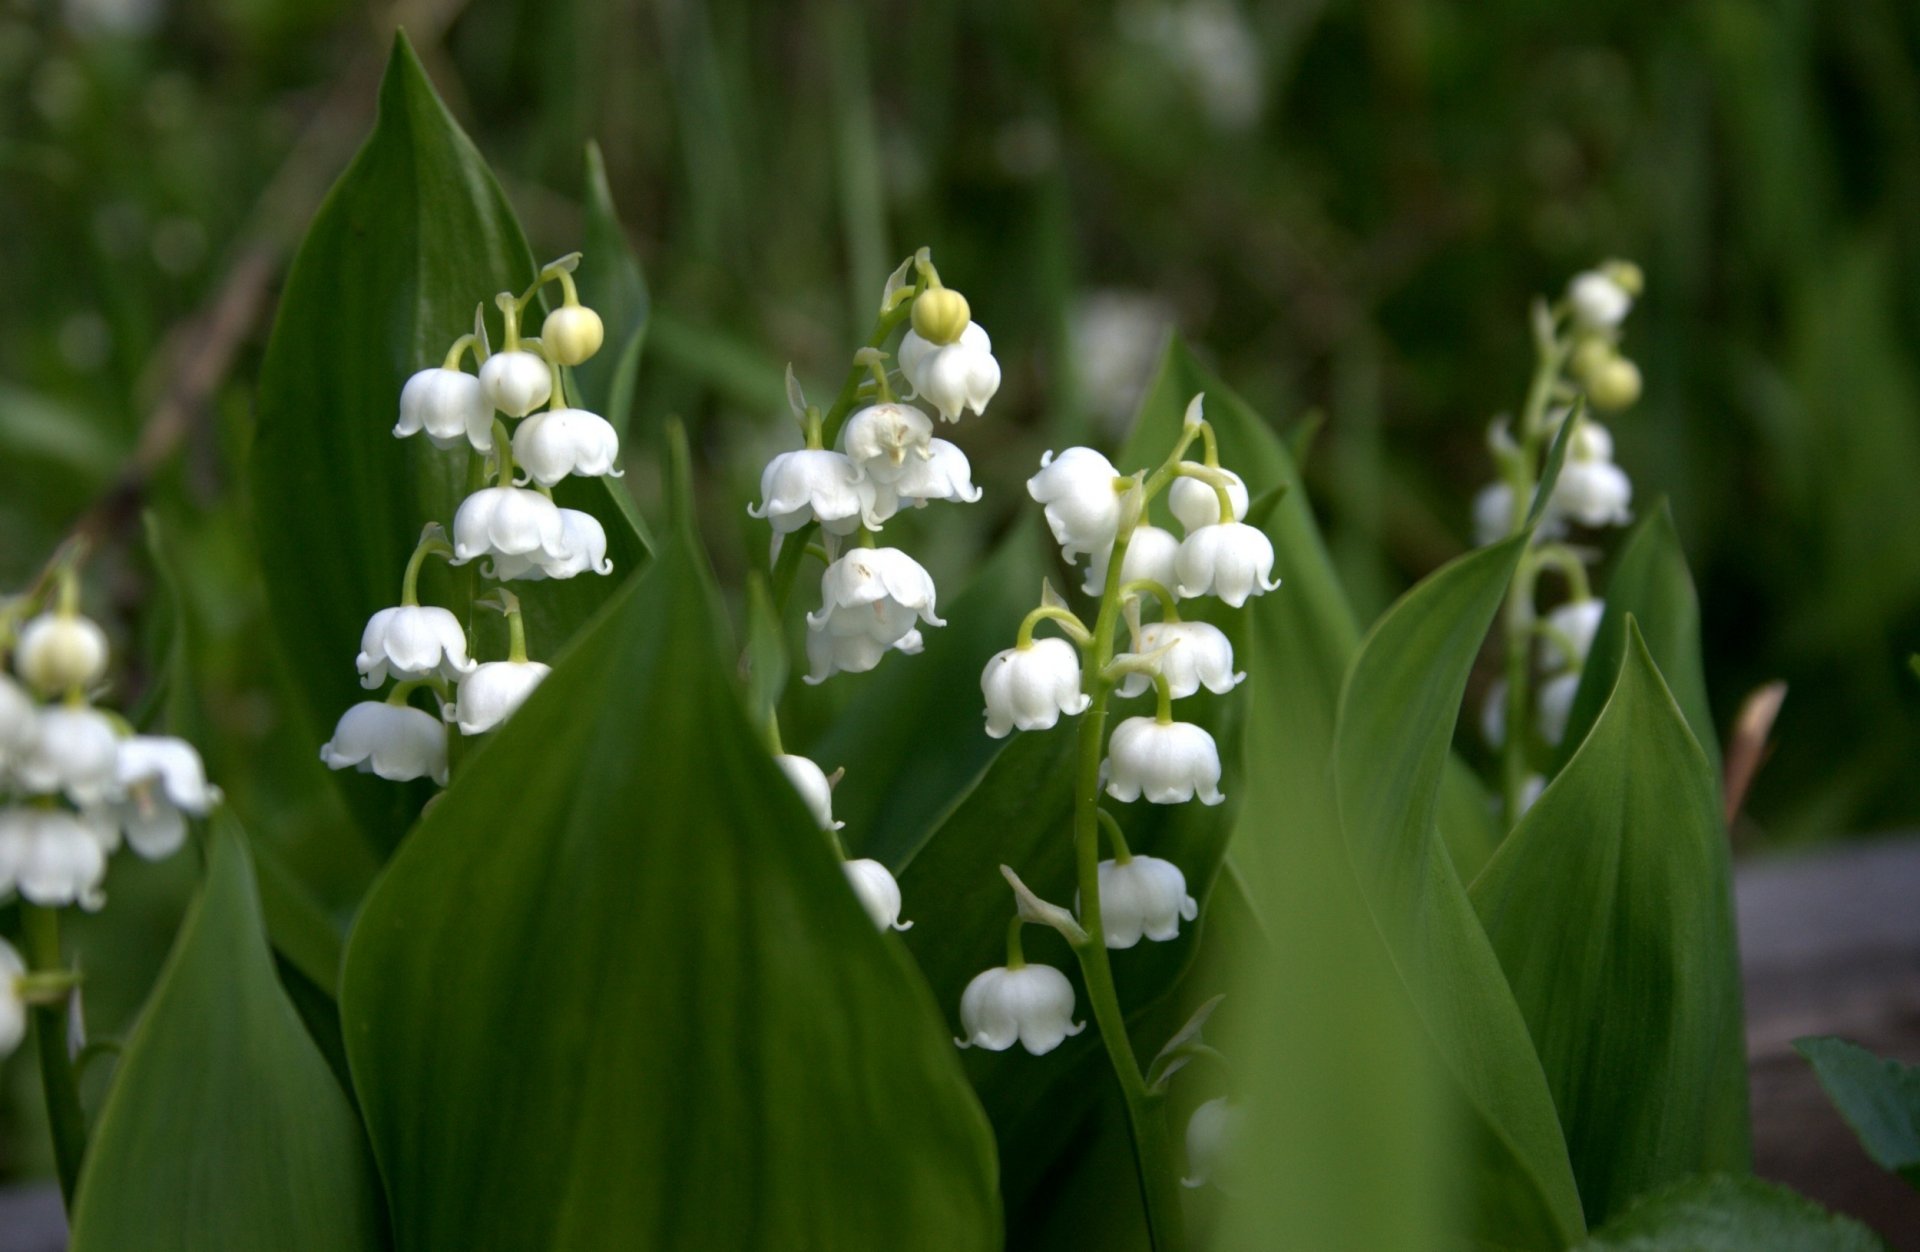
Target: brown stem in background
{"type": "Point", "coordinates": [1747, 748]}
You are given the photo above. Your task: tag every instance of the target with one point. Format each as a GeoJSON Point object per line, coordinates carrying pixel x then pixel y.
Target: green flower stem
{"type": "Point", "coordinates": [1116, 837]}
{"type": "Point", "coordinates": [1169, 607]}
{"type": "Point", "coordinates": [1069, 623]}
{"type": "Point", "coordinates": [510, 321]}
{"type": "Point", "coordinates": [458, 350]}
{"type": "Point", "coordinates": [1146, 1113]}
{"type": "Point", "coordinates": [503, 447]}
{"type": "Point", "coordinates": [65, 1118]}
{"type": "Point", "coordinates": [1558, 556]}
{"type": "Point", "coordinates": [432, 543]}
{"type": "Point", "coordinates": [1016, 955]}
{"type": "Point", "coordinates": [1209, 446]}
{"type": "Point", "coordinates": [1213, 477]}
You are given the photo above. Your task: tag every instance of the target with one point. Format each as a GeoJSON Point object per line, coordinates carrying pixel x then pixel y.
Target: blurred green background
{"type": "Point", "coordinates": [1344, 206]}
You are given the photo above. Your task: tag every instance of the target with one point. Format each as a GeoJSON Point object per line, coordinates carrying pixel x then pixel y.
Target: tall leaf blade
{"type": "Point", "coordinates": [224, 1127]}
{"type": "Point", "coordinates": [1609, 907]}
{"type": "Point", "coordinates": [660, 1018]}
{"type": "Point", "coordinates": [414, 234]}
{"type": "Point", "coordinates": [1397, 715]}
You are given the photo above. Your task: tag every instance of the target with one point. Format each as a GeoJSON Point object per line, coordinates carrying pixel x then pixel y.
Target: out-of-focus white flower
{"type": "Point", "coordinates": [583, 549]}
{"type": "Point", "coordinates": [556, 443]}
{"type": "Point", "coordinates": [953, 377]}
{"type": "Point", "coordinates": [870, 600]}
{"type": "Point", "coordinates": [1116, 336]}
{"type": "Point", "coordinates": [59, 652]}
{"type": "Point", "coordinates": [1231, 560]}
{"type": "Point", "coordinates": [879, 894]}
{"type": "Point", "coordinates": [1031, 1004]}
{"type": "Point", "coordinates": [1150, 555]}
{"type": "Point", "coordinates": [1493, 714]}
{"type": "Point", "coordinates": [1142, 896]}
{"type": "Point", "coordinates": [1492, 513]}
{"type": "Point", "coordinates": [19, 724]}
{"type": "Point", "coordinates": [1555, 704]}
{"type": "Point", "coordinates": [13, 1007]}
{"type": "Point", "coordinates": [1197, 655]}
{"type": "Point", "coordinates": [1211, 1132]}
{"type": "Point", "coordinates": [1577, 621]}
{"type": "Point", "coordinates": [944, 474]}
{"type": "Point", "coordinates": [516, 382]}
{"type": "Point", "coordinates": [883, 441]}
{"type": "Point", "coordinates": [493, 692]}
{"type": "Point", "coordinates": [450, 405]}
{"type": "Point", "coordinates": [1168, 762]}
{"type": "Point", "coordinates": [54, 857]}
{"type": "Point", "coordinates": [162, 783]}
{"type": "Point", "coordinates": [1029, 688]}
{"type": "Point", "coordinates": [1530, 788]}
{"type": "Point", "coordinates": [572, 333]}
{"type": "Point", "coordinates": [506, 522]}
{"type": "Point", "coordinates": [395, 741]}
{"type": "Point", "coordinates": [1197, 504]}
{"type": "Point", "coordinates": [1081, 503]}
{"type": "Point", "coordinates": [75, 751]}
{"type": "Point", "coordinates": [412, 641]}
{"type": "Point", "coordinates": [815, 788]}
{"type": "Point", "coordinates": [814, 485]}
{"type": "Point", "coordinates": [1593, 493]}
{"type": "Point", "coordinates": [1597, 300]}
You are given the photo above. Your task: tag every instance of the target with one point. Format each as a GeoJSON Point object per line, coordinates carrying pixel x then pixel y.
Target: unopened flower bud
{"type": "Point", "coordinates": [60, 652]}
{"type": "Point", "coordinates": [1627, 275]}
{"type": "Point", "coordinates": [1615, 385]}
{"type": "Point", "coordinates": [1598, 300]}
{"type": "Point", "coordinates": [1197, 504]}
{"type": "Point", "coordinates": [940, 315]}
{"type": "Point", "coordinates": [572, 333]}
{"type": "Point", "coordinates": [1590, 355]}
{"type": "Point", "coordinates": [516, 382]}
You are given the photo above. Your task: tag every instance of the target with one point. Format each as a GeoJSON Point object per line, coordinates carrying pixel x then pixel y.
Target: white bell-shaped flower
{"type": "Point", "coordinates": [1492, 513]}
{"type": "Point", "coordinates": [1493, 714]}
{"type": "Point", "coordinates": [1168, 762]}
{"type": "Point", "coordinates": [1197, 655]}
{"type": "Point", "coordinates": [492, 693]}
{"type": "Point", "coordinates": [945, 474]}
{"type": "Point", "coordinates": [1144, 895]}
{"type": "Point", "coordinates": [884, 441]}
{"type": "Point", "coordinates": [516, 382]}
{"type": "Point", "coordinates": [1197, 504]}
{"type": "Point", "coordinates": [395, 741]}
{"type": "Point", "coordinates": [59, 652]}
{"type": "Point", "coordinates": [1081, 503]}
{"type": "Point", "coordinates": [1029, 688]}
{"type": "Point", "coordinates": [450, 405]}
{"type": "Point", "coordinates": [507, 522]}
{"type": "Point", "coordinates": [814, 485]}
{"type": "Point", "coordinates": [1150, 554]}
{"type": "Point", "coordinates": [872, 596]}
{"type": "Point", "coordinates": [53, 857]}
{"type": "Point", "coordinates": [583, 549]}
{"type": "Point", "coordinates": [1597, 300]}
{"type": "Point", "coordinates": [1211, 1132]}
{"type": "Point", "coordinates": [556, 443]}
{"type": "Point", "coordinates": [13, 1006]}
{"type": "Point", "coordinates": [162, 783]}
{"type": "Point", "coordinates": [879, 894]}
{"type": "Point", "coordinates": [1231, 560]}
{"type": "Point", "coordinates": [1028, 1004]}
{"type": "Point", "coordinates": [1576, 621]}
{"type": "Point", "coordinates": [75, 752]}
{"type": "Point", "coordinates": [412, 641]}
{"type": "Point", "coordinates": [1593, 493]}
{"type": "Point", "coordinates": [1554, 704]}
{"type": "Point", "coordinates": [829, 654]}
{"type": "Point", "coordinates": [19, 724]}
{"type": "Point", "coordinates": [952, 377]}
{"type": "Point", "coordinates": [1530, 789]}
{"type": "Point", "coordinates": [815, 788]}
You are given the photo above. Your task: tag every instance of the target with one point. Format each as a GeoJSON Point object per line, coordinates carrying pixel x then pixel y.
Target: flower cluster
{"type": "Point", "coordinates": [508, 522]}
{"type": "Point", "coordinates": [1577, 346]}
{"type": "Point", "coordinates": [1097, 512]}
{"type": "Point", "coordinates": [76, 782]}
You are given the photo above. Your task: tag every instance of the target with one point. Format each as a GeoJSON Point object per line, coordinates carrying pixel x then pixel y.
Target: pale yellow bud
{"type": "Point", "coordinates": [940, 314]}
{"type": "Point", "coordinates": [1591, 355]}
{"type": "Point", "coordinates": [572, 333]}
{"type": "Point", "coordinates": [1615, 385]}
{"type": "Point", "coordinates": [1626, 275]}
{"type": "Point", "coordinates": [60, 652]}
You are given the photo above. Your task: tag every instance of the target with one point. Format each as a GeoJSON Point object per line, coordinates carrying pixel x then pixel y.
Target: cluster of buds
{"type": "Point", "coordinates": [76, 782]}
{"type": "Point", "coordinates": [508, 522]}
{"type": "Point", "coordinates": [861, 462]}
{"type": "Point", "coordinates": [1095, 511]}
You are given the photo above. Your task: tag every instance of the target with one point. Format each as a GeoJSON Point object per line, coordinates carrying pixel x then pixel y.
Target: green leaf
{"type": "Point", "coordinates": [612, 285]}
{"type": "Point", "coordinates": [1651, 583]}
{"type": "Point", "coordinates": [1880, 1098]}
{"type": "Point", "coordinates": [1397, 715]}
{"type": "Point", "coordinates": [660, 1018]}
{"type": "Point", "coordinates": [766, 655]}
{"type": "Point", "coordinates": [1610, 909]}
{"type": "Point", "coordinates": [412, 237]}
{"type": "Point", "coordinates": [224, 1127]}
{"type": "Point", "coordinates": [1722, 1214]}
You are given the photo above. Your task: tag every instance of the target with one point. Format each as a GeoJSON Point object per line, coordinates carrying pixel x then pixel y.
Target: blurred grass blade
{"type": "Point", "coordinates": [224, 1127]}
{"type": "Point", "coordinates": [1610, 908]}
{"type": "Point", "coordinates": [1727, 1214]}
{"type": "Point", "coordinates": [612, 284]}
{"type": "Point", "coordinates": [1880, 1099]}
{"type": "Point", "coordinates": [661, 1019]}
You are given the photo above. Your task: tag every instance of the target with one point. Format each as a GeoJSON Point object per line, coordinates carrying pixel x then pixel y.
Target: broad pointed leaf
{"type": "Point", "coordinates": [1610, 909]}
{"type": "Point", "coordinates": [1880, 1098]}
{"type": "Point", "coordinates": [1727, 1214]}
{"type": "Point", "coordinates": [224, 1127]}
